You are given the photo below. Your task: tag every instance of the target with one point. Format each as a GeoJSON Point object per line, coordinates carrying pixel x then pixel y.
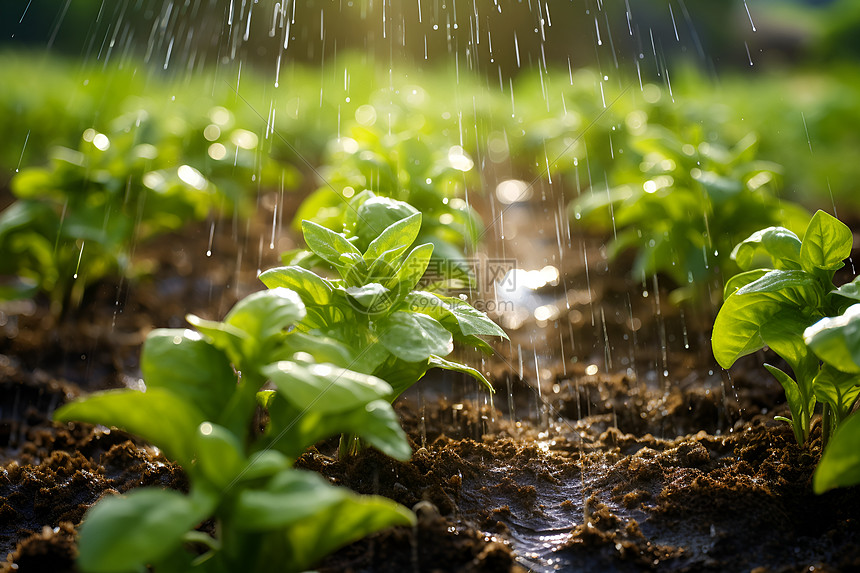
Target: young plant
{"type": "Point", "coordinates": [405, 167]}
{"type": "Point", "coordinates": [202, 391]}
{"type": "Point", "coordinates": [840, 463]}
{"type": "Point", "coordinates": [774, 306]}
{"type": "Point", "coordinates": [391, 330]}
{"type": "Point", "coordinates": [78, 219]}
{"type": "Point", "coordinates": [698, 201]}
{"type": "Point", "coordinates": [836, 341]}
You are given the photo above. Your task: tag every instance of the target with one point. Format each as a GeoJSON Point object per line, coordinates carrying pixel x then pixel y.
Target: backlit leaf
{"type": "Point", "coordinates": [826, 243]}
{"type": "Point", "coordinates": [190, 367]}
{"type": "Point", "coordinates": [313, 289]}
{"type": "Point", "coordinates": [396, 238]}
{"type": "Point", "coordinates": [330, 246]}
{"type": "Point", "coordinates": [323, 387]}
{"type": "Point", "coordinates": [127, 533]}
{"type": "Point", "coordinates": [413, 336]}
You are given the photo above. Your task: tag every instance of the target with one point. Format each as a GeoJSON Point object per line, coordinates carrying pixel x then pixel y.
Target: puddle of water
{"type": "Point", "coordinates": [539, 515]}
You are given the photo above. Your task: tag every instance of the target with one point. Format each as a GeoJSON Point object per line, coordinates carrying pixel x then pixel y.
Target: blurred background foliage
{"type": "Point", "coordinates": [189, 34]}
{"type": "Point", "coordinates": [249, 97]}
{"type": "Point", "coordinates": [783, 69]}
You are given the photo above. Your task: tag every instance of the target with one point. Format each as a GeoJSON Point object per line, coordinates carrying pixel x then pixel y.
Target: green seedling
{"type": "Point", "coordinates": [836, 341]}
{"type": "Point", "coordinates": [406, 168]}
{"type": "Point", "coordinates": [78, 219]}
{"type": "Point", "coordinates": [202, 391]}
{"type": "Point", "coordinates": [368, 214]}
{"type": "Point", "coordinates": [392, 330]}
{"type": "Point", "coordinates": [774, 306]}
{"type": "Point", "coordinates": [840, 463]}
{"type": "Point", "coordinates": [697, 203]}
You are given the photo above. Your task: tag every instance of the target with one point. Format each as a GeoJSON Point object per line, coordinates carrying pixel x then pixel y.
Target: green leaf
{"type": "Point", "coordinates": [127, 533]}
{"type": "Point", "coordinates": [351, 219]}
{"type": "Point", "coordinates": [378, 425]}
{"type": "Point", "coordinates": [850, 290]}
{"type": "Point", "coordinates": [438, 362]}
{"type": "Point", "coordinates": [313, 289]}
{"type": "Point", "coordinates": [778, 280]}
{"type": "Point", "coordinates": [472, 321]}
{"type": "Point", "coordinates": [800, 417]}
{"type": "Point", "coordinates": [159, 416]}
{"type": "Point", "coordinates": [719, 187]}
{"type": "Point", "coordinates": [330, 246]}
{"type": "Point", "coordinates": [323, 387]}
{"type": "Point", "coordinates": [305, 541]}
{"type": "Point", "coordinates": [220, 455]}
{"type": "Point", "coordinates": [588, 205]}
{"type": "Point", "coordinates": [290, 496]}
{"type": "Point", "coordinates": [190, 367]}
{"type": "Point", "coordinates": [836, 340]}
{"type": "Point", "coordinates": [323, 207]}
{"type": "Point", "coordinates": [840, 463]}
{"type": "Point", "coordinates": [265, 314]}
{"type": "Point", "coordinates": [413, 336]}
{"type": "Point", "coordinates": [413, 267]}
{"type": "Point", "coordinates": [783, 333]}
{"type": "Point", "coordinates": [353, 518]}
{"type": "Point", "coordinates": [432, 305]}
{"type": "Point", "coordinates": [826, 243]}
{"type": "Point", "coordinates": [737, 328]}
{"type": "Point", "coordinates": [224, 337]}
{"type": "Point", "coordinates": [740, 280]}
{"type": "Point", "coordinates": [401, 374]}
{"type": "Point", "coordinates": [25, 215]}
{"type": "Point", "coordinates": [837, 388]}
{"type": "Point", "coordinates": [778, 243]}
{"type": "Point", "coordinates": [262, 464]}
{"type": "Point", "coordinates": [293, 431]}
{"type": "Point", "coordinates": [375, 214]}
{"type": "Point", "coordinates": [478, 343]}
{"type": "Point", "coordinates": [459, 317]}
{"type": "Point", "coordinates": [373, 296]}
{"type": "Point", "coordinates": [322, 348]}
{"type": "Point", "coordinates": [395, 239]}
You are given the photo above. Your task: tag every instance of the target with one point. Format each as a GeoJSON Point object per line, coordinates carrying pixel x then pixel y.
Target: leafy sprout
{"type": "Point", "coordinates": [430, 176]}
{"type": "Point", "coordinates": [836, 341]}
{"type": "Point", "coordinates": [392, 330]}
{"type": "Point", "coordinates": [774, 306]}
{"type": "Point", "coordinates": [202, 390]}
{"type": "Point", "coordinates": [698, 201]}
{"type": "Point", "coordinates": [78, 219]}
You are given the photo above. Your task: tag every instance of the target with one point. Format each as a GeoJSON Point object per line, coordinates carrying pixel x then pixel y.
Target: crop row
{"type": "Point", "coordinates": [347, 324]}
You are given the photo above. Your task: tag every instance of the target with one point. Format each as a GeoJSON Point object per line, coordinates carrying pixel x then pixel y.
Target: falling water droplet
{"type": "Point", "coordinates": [80, 256]}
{"type": "Point", "coordinates": [26, 139]}
{"type": "Point", "coordinates": [211, 237]}
{"type": "Point", "coordinates": [749, 16]}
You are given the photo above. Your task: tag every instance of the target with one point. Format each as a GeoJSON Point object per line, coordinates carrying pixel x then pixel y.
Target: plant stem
{"type": "Point", "coordinates": [349, 445]}
{"type": "Point", "coordinates": [826, 423]}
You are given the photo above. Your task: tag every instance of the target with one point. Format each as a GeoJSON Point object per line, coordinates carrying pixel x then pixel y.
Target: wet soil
{"type": "Point", "coordinates": [613, 443]}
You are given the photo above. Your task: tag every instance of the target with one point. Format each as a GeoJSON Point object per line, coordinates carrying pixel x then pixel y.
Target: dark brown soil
{"type": "Point", "coordinates": [613, 442]}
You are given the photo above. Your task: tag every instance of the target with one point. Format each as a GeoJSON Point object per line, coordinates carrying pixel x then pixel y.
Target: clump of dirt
{"type": "Point", "coordinates": [609, 542]}
{"type": "Point", "coordinates": [436, 544]}
{"type": "Point", "coordinates": [61, 472]}
{"type": "Point", "coordinates": [52, 550]}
